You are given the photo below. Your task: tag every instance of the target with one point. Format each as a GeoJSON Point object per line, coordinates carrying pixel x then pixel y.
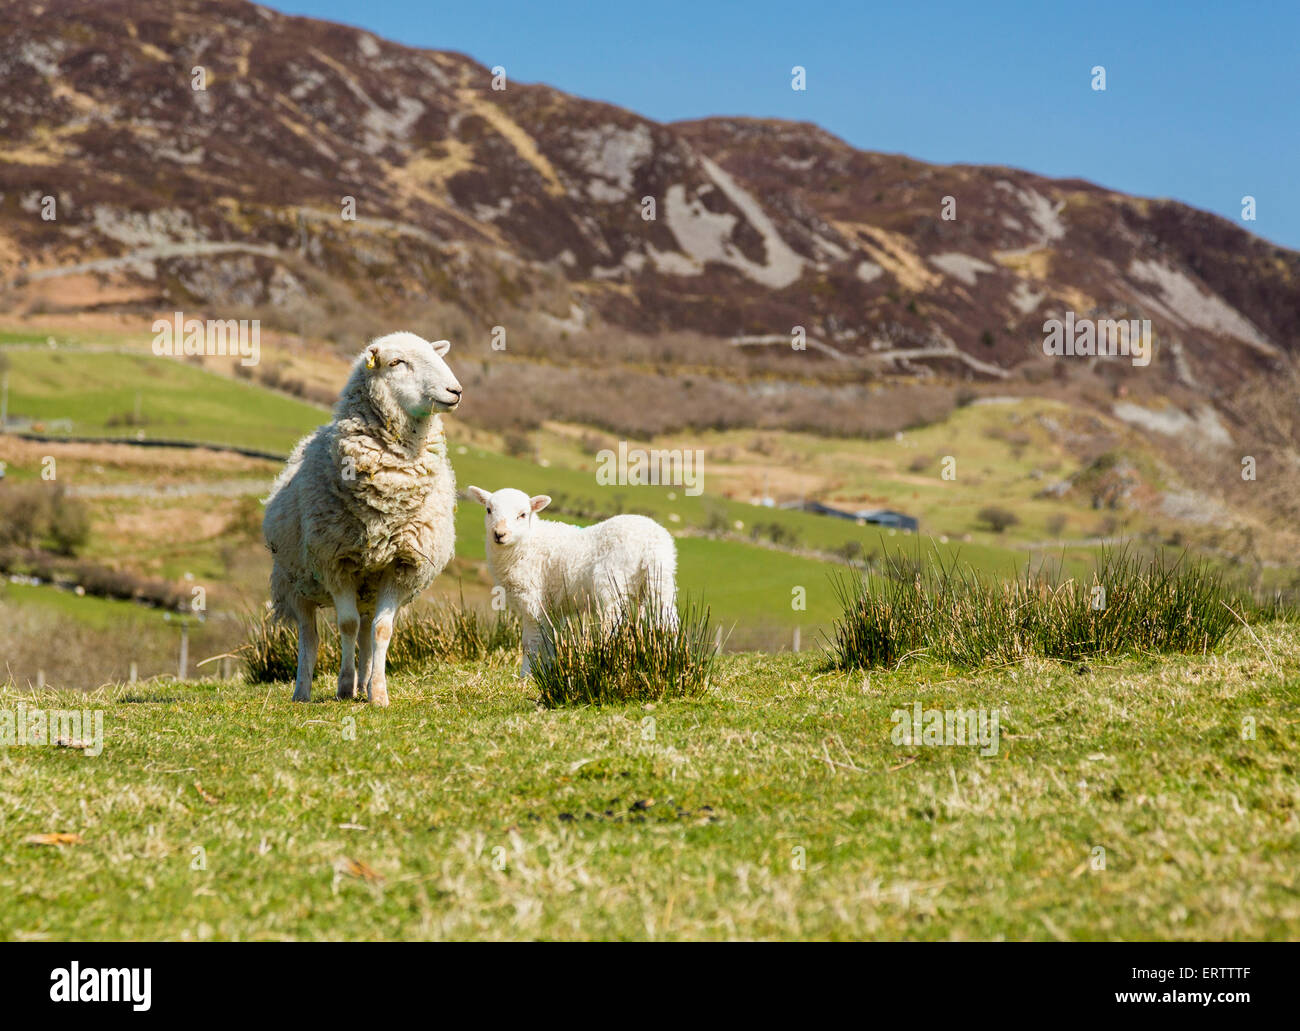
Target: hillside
{"type": "Point", "coordinates": [523, 207]}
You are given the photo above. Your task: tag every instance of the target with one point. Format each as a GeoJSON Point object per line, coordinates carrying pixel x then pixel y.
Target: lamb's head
{"type": "Point", "coordinates": [406, 372]}
{"type": "Point", "coordinates": [511, 514]}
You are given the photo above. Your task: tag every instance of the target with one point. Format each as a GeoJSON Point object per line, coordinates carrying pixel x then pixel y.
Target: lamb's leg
{"type": "Point", "coordinates": [345, 608]}
{"type": "Point", "coordinates": [666, 592]}
{"type": "Point", "coordinates": [365, 648]}
{"type": "Point", "coordinates": [307, 642]}
{"type": "Point", "coordinates": [385, 614]}
{"type": "Point", "coordinates": [532, 640]}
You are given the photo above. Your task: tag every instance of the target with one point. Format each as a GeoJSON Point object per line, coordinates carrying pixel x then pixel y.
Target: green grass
{"type": "Point", "coordinates": [777, 806]}
{"type": "Point", "coordinates": [99, 613]}
{"type": "Point", "coordinates": [178, 401]}
{"type": "Point", "coordinates": [751, 587]}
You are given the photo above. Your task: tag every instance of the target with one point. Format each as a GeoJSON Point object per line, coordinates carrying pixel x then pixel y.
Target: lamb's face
{"type": "Point", "coordinates": [510, 514]}
{"type": "Point", "coordinates": [413, 373]}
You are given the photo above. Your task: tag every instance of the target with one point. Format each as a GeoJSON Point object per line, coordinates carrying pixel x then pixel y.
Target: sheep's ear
{"type": "Point", "coordinates": [441, 347]}
{"type": "Point", "coordinates": [539, 502]}
{"type": "Point", "coordinates": [478, 494]}
{"type": "Point", "coordinates": [372, 356]}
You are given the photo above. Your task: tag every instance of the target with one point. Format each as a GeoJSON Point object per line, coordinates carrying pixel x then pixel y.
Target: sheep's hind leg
{"type": "Point", "coordinates": [307, 643]}
{"type": "Point", "coordinates": [345, 607]}
{"type": "Point", "coordinates": [382, 633]}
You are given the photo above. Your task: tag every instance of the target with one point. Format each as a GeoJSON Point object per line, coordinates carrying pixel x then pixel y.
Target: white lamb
{"type": "Point", "coordinates": [549, 569]}
{"type": "Point", "coordinates": [361, 517]}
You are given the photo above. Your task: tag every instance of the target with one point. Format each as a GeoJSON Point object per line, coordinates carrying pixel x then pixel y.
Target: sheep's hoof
{"type": "Point", "coordinates": [379, 696]}
{"type": "Point", "coordinates": [347, 688]}
{"type": "Point", "coordinates": [299, 695]}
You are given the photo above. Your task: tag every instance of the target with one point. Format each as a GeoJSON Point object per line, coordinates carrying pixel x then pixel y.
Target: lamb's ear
{"type": "Point", "coordinates": [372, 356]}
{"type": "Point", "coordinates": [478, 494]}
{"type": "Point", "coordinates": [441, 347]}
{"type": "Point", "coordinates": [539, 502]}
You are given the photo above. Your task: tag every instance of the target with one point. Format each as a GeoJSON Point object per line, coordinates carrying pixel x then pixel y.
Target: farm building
{"type": "Point", "coordinates": [868, 516]}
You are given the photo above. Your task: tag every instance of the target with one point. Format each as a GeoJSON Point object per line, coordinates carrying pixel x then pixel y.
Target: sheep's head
{"type": "Point", "coordinates": [510, 514]}
{"type": "Point", "coordinates": [409, 371]}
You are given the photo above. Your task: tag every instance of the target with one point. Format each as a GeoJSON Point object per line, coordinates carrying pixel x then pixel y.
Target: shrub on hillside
{"type": "Point", "coordinates": [634, 658]}
{"type": "Point", "coordinates": [997, 519]}
{"type": "Point", "coordinates": [42, 515]}
{"type": "Point", "coordinates": [951, 614]}
{"type": "Point", "coordinates": [69, 526]}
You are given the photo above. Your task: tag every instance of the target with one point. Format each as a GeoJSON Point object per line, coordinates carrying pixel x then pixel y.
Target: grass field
{"type": "Point", "coordinates": [777, 806]}
{"type": "Point", "coordinates": [102, 393]}
{"type": "Point", "coordinates": [97, 613]}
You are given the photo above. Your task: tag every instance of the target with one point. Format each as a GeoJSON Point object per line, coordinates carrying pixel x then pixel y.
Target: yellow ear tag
{"type": "Point", "coordinates": [370, 361]}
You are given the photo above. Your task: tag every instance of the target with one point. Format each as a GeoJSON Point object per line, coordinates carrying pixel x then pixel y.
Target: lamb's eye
{"type": "Point", "coordinates": [522, 514]}
{"type": "Point", "coordinates": [396, 362]}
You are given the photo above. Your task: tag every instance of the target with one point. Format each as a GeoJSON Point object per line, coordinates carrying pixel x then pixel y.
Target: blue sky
{"type": "Point", "coordinates": [1201, 100]}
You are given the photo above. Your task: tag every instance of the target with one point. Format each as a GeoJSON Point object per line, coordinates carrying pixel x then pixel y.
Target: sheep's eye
{"type": "Point", "coordinates": [522, 514]}
{"type": "Point", "coordinates": [396, 362]}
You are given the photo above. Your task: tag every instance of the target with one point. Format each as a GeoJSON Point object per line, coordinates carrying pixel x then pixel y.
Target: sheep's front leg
{"type": "Point", "coordinates": [382, 633]}
{"type": "Point", "coordinates": [307, 643]}
{"type": "Point", "coordinates": [345, 607]}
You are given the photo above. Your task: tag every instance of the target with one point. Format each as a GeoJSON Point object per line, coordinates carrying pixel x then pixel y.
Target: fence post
{"type": "Point", "coordinates": [796, 638]}
{"type": "Point", "coordinates": [185, 650]}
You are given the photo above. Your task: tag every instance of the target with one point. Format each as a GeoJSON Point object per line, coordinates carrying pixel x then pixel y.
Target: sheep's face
{"type": "Point", "coordinates": [412, 372]}
{"type": "Point", "coordinates": [510, 514]}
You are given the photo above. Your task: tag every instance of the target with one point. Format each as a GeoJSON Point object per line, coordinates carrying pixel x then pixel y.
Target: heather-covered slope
{"type": "Point", "coordinates": [529, 200]}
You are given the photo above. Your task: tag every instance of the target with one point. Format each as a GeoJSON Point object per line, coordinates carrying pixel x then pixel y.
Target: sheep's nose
{"type": "Point", "coordinates": [498, 536]}
{"type": "Point", "coordinates": [455, 390]}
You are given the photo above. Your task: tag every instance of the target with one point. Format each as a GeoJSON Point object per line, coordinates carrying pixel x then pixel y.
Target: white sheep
{"type": "Point", "coordinates": [549, 569]}
{"type": "Point", "coordinates": [361, 518]}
